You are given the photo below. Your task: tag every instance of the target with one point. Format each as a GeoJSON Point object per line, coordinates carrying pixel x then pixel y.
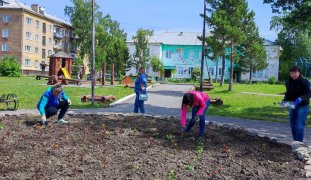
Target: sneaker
{"type": "Point", "coordinates": [62, 121]}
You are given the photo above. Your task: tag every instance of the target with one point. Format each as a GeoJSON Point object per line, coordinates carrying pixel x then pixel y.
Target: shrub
{"type": "Point", "coordinates": [272, 80]}
{"type": "Point", "coordinates": [9, 66]}
{"type": "Point", "coordinates": [195, 74]}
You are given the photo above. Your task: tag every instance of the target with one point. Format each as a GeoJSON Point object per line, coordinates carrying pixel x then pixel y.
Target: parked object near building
{"type": "Point", "coordinates": [31, 35]}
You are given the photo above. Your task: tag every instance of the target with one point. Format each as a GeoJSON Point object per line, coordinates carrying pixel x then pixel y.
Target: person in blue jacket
{"type": "Point", "coordinates": [140, 87]}
{"type": "Point", "coordinates": [51, 101]}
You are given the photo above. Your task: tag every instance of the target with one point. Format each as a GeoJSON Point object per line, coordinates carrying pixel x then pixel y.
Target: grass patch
{"type": "Point", "coordinates": [249, 106]}
{"type": "Point", "coordinates": [29, 91]}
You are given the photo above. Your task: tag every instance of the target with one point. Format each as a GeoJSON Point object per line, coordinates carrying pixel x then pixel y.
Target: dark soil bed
{"type": "Point", "coordinates": [136, 147]}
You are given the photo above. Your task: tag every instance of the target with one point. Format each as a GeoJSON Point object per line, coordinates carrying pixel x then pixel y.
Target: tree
{"type": "Point", "coordinates": [228, 15]}
{"type": "Point", "coordinates": [9, 66]}
{"type": "Point", "coordinates": [252, 51]}
{"type": "Point", "coordinates": [156, 64]}
{"type": "Point", "coordinates": [141, 57]}
{"type": "Point", "coordinates": [299, 11]}
{"type": "Point", "coordinates": [293, 33]}
{"type": "Point", "coordinates": [110, 39]}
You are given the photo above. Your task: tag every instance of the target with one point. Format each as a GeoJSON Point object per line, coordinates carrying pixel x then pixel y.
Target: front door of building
{"type": "Point", "coordinates": [167, 73]}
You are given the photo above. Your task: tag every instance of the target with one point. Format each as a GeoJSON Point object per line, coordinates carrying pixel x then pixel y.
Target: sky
{"type": "Point", "coordinates": [160, 15]}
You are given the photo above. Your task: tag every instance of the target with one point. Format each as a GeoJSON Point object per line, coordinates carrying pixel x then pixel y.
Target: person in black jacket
{"type": "Point", "coordinates": [297, 91]}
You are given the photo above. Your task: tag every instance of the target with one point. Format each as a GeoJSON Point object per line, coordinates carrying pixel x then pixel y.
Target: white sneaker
{"type": "Point", "coordinates": [62, 121]}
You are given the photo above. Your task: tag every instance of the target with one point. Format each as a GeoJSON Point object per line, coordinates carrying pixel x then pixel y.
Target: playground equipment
{"type": "Point", "coordinates": [10, 100]}
{"type": "Point", "coordinates": [305, 65]}
{"type": "Point", "coordinates": [61, 67]}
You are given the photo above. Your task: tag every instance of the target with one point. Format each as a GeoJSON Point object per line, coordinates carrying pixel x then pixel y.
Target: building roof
{"type": "Point", "coordinates": [14, 4]}
{"type": "Point", "coordinates": [180, 38]}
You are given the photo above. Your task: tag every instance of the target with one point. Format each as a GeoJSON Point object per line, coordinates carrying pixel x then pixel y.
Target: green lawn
{"type": "Point", "coordinates": [29, 90]}
{"type": "Point", "coordinates": [236, 104]}
{"type": "Point", "coordinates": [250, 106]}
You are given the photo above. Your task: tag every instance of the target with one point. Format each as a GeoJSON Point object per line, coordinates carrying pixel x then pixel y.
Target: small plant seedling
{"type": "Point", "coordinates": [1, 126]}
{"type": "Point", "coordinates": [169, 137]}
{"type": "Point", "coordinates": [190, 167]}
{"type": "Point", "coordinates": [171, 174]}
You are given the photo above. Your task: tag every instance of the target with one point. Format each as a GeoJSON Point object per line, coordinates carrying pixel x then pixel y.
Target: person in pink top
{"type": "Point", "coordinates": [199, 101]}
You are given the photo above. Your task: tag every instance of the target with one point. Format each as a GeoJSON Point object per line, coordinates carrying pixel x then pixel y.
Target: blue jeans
{"type": "Point", "coordinates": [139, 105]}
{"type": "Point", "coordinates": [297, 119]}
{"type": "Point", "coordinates": [202, 119]}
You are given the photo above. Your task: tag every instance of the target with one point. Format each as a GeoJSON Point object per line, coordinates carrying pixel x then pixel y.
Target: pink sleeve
{"type": "Point", "coordinates": [202, 104]}
{"type": "Point", "coordinates": [184, 110]}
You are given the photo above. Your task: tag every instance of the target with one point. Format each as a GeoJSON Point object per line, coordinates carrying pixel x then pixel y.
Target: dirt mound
{"type": "Point", "coordinates": [121, 147]}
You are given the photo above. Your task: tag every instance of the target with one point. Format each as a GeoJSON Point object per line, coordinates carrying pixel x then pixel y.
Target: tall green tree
{"type": "Point", "coordinates": [156, 64]}
{"type": "Point", "coordinates": [229, 15]}
{"type": "Point", "coordinates": [141, 57]}
{"type": "Point", "coordinates": [252, 51]}
{"type": "Point", "coordinates": [110, 40]}
{"type": "Point", "coordinates": [217, 41]}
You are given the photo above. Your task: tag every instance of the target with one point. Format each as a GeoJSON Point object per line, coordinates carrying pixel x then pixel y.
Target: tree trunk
{"type": "Point", "coordinates": [250, 75]}
{"type": "Point", "coordinates": [104, 74]}
{"type": "Point", "coordinates": [231, 68]}
{"type": "Point", "coordinates": [223, 69]}
{"type": "Point", "coordinates": [216, 76]}
{"type": "Point", "coordinates": [112, 75]}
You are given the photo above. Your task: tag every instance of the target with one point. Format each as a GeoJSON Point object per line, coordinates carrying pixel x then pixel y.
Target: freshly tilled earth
{"type": "Point", "coordinates": [137, 147]}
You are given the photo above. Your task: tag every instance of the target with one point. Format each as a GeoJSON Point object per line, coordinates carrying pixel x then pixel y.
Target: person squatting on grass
{"type": "Point", "coordinates": [140, 88]}
{"type": "Point", "coordinates": [199, 101]}
{"type": "Point", "coordinates": [297, 91]}
{"type": "Point", "coordinates": [51, 101]}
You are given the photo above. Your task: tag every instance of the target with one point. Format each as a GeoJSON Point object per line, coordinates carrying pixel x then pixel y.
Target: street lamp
{"type": "Point", "coordinates": [203, 48]}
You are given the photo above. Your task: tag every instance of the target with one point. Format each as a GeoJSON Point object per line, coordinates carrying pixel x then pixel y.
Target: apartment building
{"type": "Point", "coordinates": [31, 35]}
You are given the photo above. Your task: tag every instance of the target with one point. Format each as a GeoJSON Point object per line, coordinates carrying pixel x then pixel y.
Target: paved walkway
{"type": "Point", "coordinates": [165, 99]}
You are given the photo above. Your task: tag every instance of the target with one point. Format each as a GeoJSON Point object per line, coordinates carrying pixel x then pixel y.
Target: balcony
{"type": "Point", "coordinates": [58, 35]}
{"type": "Point", "coordinates": [57, 47]}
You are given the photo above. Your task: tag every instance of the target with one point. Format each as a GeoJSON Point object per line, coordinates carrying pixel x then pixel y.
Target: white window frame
{"type": "Point", "coordinates": [28, 21]}
{"type": "Point", "coordinates": [36, 64]}
{"type": "Point", "coordinates": [180, 53]}
{"type": "Point", "coordinates": [51, 41]}
{"type": "Point", "coordinates": [50, 52]}
{"type": "Point", "coordinates": [5, 32]}
{"type": "Point", "coordinates": [168, 54]}
{"type": "Point", "coordinates": [51, 28]}
{"type": "Point", "coordinates": [5, 18]}
{"type": "Point", "coordinates": [37, 38]}
{"type": "Point", "coordinates": [28, 35]}
{"type": "Point", "coordinates": [27, 49]}
{"type": "Point", "coordinates": [219, 71]}
{"type": "Point", "coordinates": [5, 47]}
{"type": "Point", "coordinates": [211, 70]}
{"type": "Point", "coordinates": [180, 70]}
{"type": "Point", "coordinates": [36, 50]}
{"type": "Point", "coordinates": [27, 63]}
{"type": "Point", "coordinates": [37, 24]}
{"type": "Point", "coordinates": [191, 54]}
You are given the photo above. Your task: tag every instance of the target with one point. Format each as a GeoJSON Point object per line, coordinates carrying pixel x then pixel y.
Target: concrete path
{"type": "Point", "coordinates": [165, 99]}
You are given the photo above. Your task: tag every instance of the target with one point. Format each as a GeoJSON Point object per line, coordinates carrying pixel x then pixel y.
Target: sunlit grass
{"type": "Point", "coordinates": [29, 91]}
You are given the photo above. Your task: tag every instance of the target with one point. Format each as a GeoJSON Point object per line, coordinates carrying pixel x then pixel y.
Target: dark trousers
{"type": "Point", "coordinates": [202, 119]}
{"type": "Point", "coordinates": [139, 105]}
{"type": "Point", "coordinates": [297, 119]}
{"type": "Point", "coordinates": [51, 111]}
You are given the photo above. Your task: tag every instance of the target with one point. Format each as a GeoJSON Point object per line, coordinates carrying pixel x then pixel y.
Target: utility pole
{"type": "Point", "coordinates": [203, 48]}
{"type": "Point", "coordinates": [93, 53]}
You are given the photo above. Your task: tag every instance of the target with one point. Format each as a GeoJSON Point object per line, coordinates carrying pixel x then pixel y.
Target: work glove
{"type": "Point", "coordinates": [43, 120]}
{"type": "Point", "coordinates": [297, 101]}
{"type": "Point", "coordinates": [69, 101]}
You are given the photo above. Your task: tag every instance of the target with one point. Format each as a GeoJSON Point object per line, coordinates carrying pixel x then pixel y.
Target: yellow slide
{"type": "Point", "coordinates": [66, 74]}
